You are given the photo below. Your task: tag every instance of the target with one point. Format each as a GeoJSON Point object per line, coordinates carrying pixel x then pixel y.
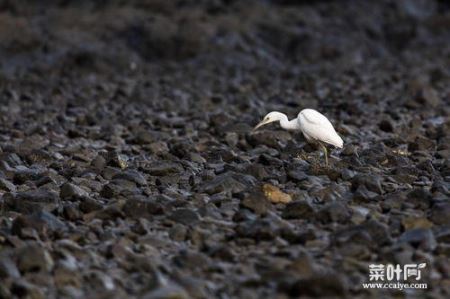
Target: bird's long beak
{"type": "Point", "coordinates": [262, 123]}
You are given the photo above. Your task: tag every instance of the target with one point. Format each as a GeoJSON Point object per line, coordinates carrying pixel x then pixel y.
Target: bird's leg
{"type": "Point", "coordinates": [325, 152]}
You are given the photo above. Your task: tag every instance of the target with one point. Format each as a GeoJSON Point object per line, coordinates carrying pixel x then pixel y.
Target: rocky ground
{"type": "Point", "coordinates": [128, 169]}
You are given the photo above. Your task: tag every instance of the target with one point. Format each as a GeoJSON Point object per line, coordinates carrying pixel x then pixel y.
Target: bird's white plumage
{"type": "Point", "coordinates": [315, 126]}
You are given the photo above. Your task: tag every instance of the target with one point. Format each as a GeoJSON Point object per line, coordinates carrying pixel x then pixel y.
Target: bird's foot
{"type": "Point", "coordinates": [302, 156]}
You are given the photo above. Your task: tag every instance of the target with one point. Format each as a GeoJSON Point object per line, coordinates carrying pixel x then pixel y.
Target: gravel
{"type": "Point", "coordinates": [128, 168]}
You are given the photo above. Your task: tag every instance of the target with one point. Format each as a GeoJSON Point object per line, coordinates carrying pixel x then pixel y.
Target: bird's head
{"type": "Point", "coordinates": [269, 118]}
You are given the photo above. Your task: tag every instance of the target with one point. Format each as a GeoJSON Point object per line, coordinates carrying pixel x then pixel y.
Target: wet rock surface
{"type": "Point", "coordinates": [128, 168]}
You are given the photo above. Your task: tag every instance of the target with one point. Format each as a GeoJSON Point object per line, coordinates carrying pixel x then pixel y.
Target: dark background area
{"type": "Point", "coordinates": [127, 166]}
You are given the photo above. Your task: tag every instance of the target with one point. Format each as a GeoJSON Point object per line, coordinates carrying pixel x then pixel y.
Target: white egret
{"type": "Point", "coordinates": [313, 124]}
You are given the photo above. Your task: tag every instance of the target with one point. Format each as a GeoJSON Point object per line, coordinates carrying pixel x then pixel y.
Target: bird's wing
{"type": "Point", "coordinates": [318, 127]}
{"type": "Point", "coordinates": [313, 116]}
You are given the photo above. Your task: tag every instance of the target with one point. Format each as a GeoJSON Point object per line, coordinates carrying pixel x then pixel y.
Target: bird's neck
{"type": "Point", "coordinates": [292, 125]}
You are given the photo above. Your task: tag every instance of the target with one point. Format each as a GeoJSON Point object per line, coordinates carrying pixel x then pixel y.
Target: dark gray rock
{"type": "Point", "coordinates": [88, 205]}
{"type": "Point", "coordinates": [31, 201]}
{"type": "Point", "coordinates": [140, 206]}
{"type": "Point", "coordinates": [257, 202]}
{"type": "Point", "coordinates": [43, 222]}
{"type": "Point", "coordinates": [117, 160]}
{"type": "Point", "coordinates": [419, 237]}
{"type": "Point", "coordinates": [361, 194]}
{"type": "Point", "coordinates": [7, 185]}
{"type": "Point", "coordinates": [378, 231]}
{"type": "Point", "coordinates": [257, 170]}
{"type": "Point", "coordinates": [420, 198]}
{"type": "Point", "coordinates": [297, 175]}
{"type": "Point", "coordinates": [440, 213]}
{"type": "Point", "coordinates": [422, 143]}
{"type": "Point", "coordinates": [228, 182]}
{"type": "Point", "coordinates": [167, 291]}
{"type": "Point", "coordinates": [23, 287]}
{"type": "Point", "coordinates": [164, 168]}
{"type": "Point", "coordinates": [119, 187]}
{"type": "Point", "coordinates": [371, 181]}
{"type": "Point", "coordinates": [299, 210]}
{"type": "Point", "coordinates": [328, 284]}
{"type": "Point", "coordinates": [70, 191]}
{"type": "Point", "coordinates": [145, 137]}
{"type": "Point", "coordinates": [24, 174]}
{"type": "Point", "coordinates": [133, 176]}
{"type": "Point", "coordinates": [99, 162]}
{"type": "Point", "coordinates": [185, 216]}
{"type": "Point", "coordinates": [334, 212]}
{"type": "Point", "coordinates": [271, 138]}
{"type": "Point", "coordinates": [8, 268]}
{"type": "Point", "coordinates": [33, 257]}
{"type": "Point", "coordinates": [258, 229]}
{"type": "Point", "coordinates": [178, 232]}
